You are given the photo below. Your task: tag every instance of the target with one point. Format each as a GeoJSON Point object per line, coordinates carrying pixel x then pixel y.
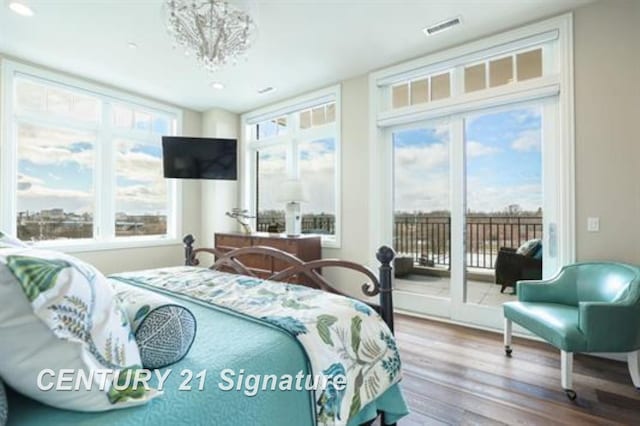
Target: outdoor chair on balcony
{"type": "Point", "coordinates": [586, 307]}
{"type": "Point", "coordinates": [523, 263]}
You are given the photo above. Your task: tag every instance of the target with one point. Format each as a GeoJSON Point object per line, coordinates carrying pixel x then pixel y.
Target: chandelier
{"type": "Point", "coordinates": [216, 32]}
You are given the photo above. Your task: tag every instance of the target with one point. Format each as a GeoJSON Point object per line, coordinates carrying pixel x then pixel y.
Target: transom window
{"type": "Point", "coordinates": [80, 165]}
{"type": "Point", "coordinates": [504, 70]}
{"type": "Point", "coordinates": [297, 140]}
{"type": "Point", "coordinates": [422, 90]}
{"type": "Point", "coordinates": [467, 77]}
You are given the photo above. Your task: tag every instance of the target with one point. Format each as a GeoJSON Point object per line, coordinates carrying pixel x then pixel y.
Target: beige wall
{"type": "Point", "coordinates": [355, 183]}
{"type": "Point", "coordinates": [110, 261]}
{"type": "Point", "coordinates": [218, 197]}
{"type": "Point", "coordinates": [607, 105]}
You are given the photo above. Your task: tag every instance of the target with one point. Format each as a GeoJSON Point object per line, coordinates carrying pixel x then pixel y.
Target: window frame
{"type": "Point", "coordinates": [291, 140]}
{"type": "Point", "coordinates": [104, 237]}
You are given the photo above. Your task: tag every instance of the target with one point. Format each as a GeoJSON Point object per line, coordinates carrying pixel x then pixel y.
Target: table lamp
{"type": "Point", "coordinates": [292, 192]}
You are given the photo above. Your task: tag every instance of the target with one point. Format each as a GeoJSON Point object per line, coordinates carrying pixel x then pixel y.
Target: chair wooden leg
{"type": "Point", "coordinates": [633, 362]}
{"type": "Point", "coordinates": [566, 366]}
{"type": "Point", "coordinates": [507, 337]}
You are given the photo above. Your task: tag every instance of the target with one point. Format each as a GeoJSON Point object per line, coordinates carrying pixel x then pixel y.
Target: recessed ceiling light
{"type": "Point", "coordinates": [132, 45]}
{"type": "Point", "coordinates": [20, 7]}
{"type": "Point", "coordinates": [442, 26]}
{"type": "Point", "coordinates": [265, 90]}
{"type": "Point", "coordinates": [216, 85]}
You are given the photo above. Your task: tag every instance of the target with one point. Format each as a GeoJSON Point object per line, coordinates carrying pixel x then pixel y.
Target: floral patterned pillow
{"type": "Point", "coordinates": [58, 313]}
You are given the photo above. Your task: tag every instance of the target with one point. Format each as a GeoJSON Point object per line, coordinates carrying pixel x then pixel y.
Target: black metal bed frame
{"type": "Point", "coordinates": [381, 285]}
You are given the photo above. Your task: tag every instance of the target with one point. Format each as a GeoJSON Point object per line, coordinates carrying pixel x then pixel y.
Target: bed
{"type": "Point", "coordinates": [229, 339]}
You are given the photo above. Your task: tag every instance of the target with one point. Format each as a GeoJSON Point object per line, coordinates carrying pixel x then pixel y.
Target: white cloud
{"type": "Point", "coordinates": [421, 177]}
{"type": "Point", "coordinates": [430, 194]}
{"type": "Point", "coordinates": [529, 140]}
{"type": "Point", "coordinates": [477, 149]}
{"type": "Point", "coordinates": [142, 199]}
{"type": "Point", "coordinates": [146, 191]}
{"type": "Point", "coordinates": [317, 171]}
{"type": "Point", "coordinates": [425, 157]}
{"type": "Point", "coordinates": [25, 181]}
{"type": "Point", "coordinates": [139, 167]}
{"type": "Point", "coordinates": [484, 198]}
{"type": "Point", "coordinates": [525, 114]}
{"type": "Point", "coordinates": [49, 146]}
{"type": "Point", "coordinates": [37, 197]}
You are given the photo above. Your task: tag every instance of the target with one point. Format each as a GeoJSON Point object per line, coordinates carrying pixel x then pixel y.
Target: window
{"type": "Point", "coordinates": [422, 90]}
{"type": "Point", "coordinates": [505, 70]}
{"type": "Point", "coordinates": [300, 143]}
{"type": "Point", "coordinates": [82, 165]}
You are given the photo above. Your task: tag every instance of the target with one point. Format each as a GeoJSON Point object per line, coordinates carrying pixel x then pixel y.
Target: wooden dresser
{"type": "Point", "coordinates": [304, 247]}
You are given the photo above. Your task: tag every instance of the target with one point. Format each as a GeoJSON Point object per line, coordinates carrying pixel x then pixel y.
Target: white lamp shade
{"type": "Point", "coordinates": [292, 190]}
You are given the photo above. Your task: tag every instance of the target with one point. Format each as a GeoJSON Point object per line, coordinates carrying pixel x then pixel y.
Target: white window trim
{"type": "Point", "coordinates": [8, 156]}
{"type": "Point", "coordinates": [560, 83]}
{"type": "Point", "coordinates": [247, 151]}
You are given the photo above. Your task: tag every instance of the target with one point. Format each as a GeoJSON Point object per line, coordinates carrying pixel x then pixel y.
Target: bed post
{"type": "Point", "coordinates": [385, 256]}
{"type": "Point", "coordinates": [188, 241]}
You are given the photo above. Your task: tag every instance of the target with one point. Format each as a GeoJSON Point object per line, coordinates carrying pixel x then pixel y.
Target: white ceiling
{"type": "Point", "coordinates": [302, 44]}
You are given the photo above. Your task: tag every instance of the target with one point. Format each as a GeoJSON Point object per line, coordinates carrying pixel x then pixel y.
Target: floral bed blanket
{"type": "Point", "coordinates": [340, 335]}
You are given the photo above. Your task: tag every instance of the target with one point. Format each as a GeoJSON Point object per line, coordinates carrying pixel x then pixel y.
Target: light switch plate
{"type": "Point", "coordinates": [593, 224]}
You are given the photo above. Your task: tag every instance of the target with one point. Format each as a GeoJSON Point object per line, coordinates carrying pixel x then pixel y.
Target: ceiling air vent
{"type": "Point", "coordinates": [442, 26]}
{"type": "Point", "coordinates": [265, 90]}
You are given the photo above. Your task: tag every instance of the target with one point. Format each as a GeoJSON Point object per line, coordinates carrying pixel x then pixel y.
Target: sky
{"type": "Point", "coordinates": [503, 164]}
{"type": "Point", "coordinates": [317, 166]}
{"type": "Point", "coordinates": [56, 170]}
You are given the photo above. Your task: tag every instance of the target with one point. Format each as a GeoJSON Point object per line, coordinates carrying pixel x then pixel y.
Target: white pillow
{"type": "Point", "coordinates": [57, 312]}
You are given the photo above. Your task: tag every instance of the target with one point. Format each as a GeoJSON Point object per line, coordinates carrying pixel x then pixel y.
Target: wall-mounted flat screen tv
{"type": "Point", "coordinates": [200, 158]}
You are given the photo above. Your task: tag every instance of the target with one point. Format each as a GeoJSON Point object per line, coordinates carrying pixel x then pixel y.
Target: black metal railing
{"type": "Point", "coordinates": [428, 238]}
{"type": "Point", "coordinates": [311, 224]}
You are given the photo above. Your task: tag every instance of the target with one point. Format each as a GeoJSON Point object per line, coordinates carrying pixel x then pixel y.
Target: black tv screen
{"type": "Point", "coordinates": [199, 158]}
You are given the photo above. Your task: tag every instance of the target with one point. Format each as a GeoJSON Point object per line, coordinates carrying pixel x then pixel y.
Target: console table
{"type": "Point", "coordinates": [304, 247]}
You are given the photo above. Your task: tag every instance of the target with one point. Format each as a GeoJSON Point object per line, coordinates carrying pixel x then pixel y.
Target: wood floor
{"type": "Point", "coordinates": [457, 375]}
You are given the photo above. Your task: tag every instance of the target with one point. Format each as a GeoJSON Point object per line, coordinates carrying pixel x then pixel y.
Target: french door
{"type": "Point", "coordinates": [466, 187]}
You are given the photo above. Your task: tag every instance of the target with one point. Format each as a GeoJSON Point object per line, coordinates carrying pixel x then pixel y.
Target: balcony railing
{"type": "Point", "coordinates": [311, 224]}
{"type": "Point", "coordinates": [428, 238]}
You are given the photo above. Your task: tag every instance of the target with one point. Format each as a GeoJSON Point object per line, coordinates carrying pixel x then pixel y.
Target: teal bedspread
{"type": "Point", "coordinates": [223, 340]}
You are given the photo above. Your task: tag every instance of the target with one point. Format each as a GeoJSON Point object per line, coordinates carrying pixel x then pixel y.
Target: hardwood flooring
{"type": "Point", "coordinates": [457, 375]}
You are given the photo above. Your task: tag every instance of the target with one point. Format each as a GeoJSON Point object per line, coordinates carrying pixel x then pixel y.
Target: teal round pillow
{"type": "Point", "coordinates": [165, 335]}
{"type": "Point", "coordinates": [164, 330]}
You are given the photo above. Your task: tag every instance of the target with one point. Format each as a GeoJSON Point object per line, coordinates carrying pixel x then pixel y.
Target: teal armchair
{"type": "Point", "coordinates": [586, 307]}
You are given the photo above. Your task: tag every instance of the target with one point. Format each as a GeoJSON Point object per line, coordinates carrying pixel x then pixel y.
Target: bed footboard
{"type": "Point", "coordinates": [381, 285]}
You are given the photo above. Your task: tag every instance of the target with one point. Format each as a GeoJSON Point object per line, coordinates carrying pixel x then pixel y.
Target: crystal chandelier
{"type": "Point", "coordinates": [215, 31]}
